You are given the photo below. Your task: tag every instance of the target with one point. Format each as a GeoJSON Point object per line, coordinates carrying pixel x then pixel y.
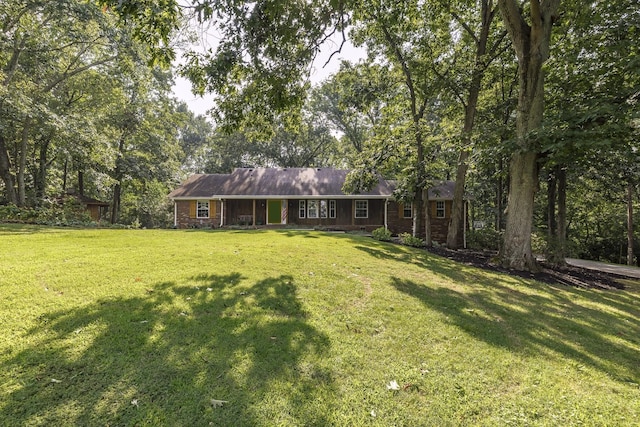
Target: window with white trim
{"type": "Point", "coordinates": [332, 208]}
{"type": "Point", "coordinates": [202, 210]}
{"type": "Point", "coordinates": [324, 209]}
{"type": "Point", "coordinates": [302, 209]}
{"type": "Point", "coordinates": [407, 210]}
{"type": "Point", "coordinates": [362, 209]}
{"type": "Point", "coordinates": [312, 209]}
{"type": "Point", "coordinates": [440, 211]}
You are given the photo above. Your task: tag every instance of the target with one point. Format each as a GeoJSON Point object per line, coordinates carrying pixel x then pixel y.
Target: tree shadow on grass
{"type": "Point", "coordinates": [593, 328]}
{"type": "Point", "coordinates": [162, 357]}
{"type": "Point", "coordinates": [550, 321]}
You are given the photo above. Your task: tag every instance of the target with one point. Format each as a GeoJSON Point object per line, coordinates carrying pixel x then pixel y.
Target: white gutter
{"type": "Point", "coordinates": [175, 214]}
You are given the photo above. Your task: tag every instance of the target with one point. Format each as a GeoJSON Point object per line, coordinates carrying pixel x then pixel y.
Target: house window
{"type": "Point", "coordinates": [362, 209]}
{"type": "Point", "coordinates": [202, 209]}
{"type": "Point", "coordinates": [302, 209]}
{"type": "Point", "coordinates": [312, 209]}
{"type": "Point", "coordinates": [407, 211]}
{"type": "Point", "coordinates": [332, 208]}
{"type": "Point", "coordinates": [323, 209]}
{"type": "Point", "coordinates": [440, 209]}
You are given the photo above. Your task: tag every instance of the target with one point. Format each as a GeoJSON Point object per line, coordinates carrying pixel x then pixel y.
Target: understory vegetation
{"type": "Point", "coordinates": [170, 327]}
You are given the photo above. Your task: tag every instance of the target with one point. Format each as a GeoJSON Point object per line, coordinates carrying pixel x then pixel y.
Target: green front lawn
{"type": "Point", "coordinates": [133, 327]}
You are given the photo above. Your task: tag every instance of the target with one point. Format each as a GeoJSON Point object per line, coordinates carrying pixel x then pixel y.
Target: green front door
{"type": "Point", "coordinates": [274, 211]}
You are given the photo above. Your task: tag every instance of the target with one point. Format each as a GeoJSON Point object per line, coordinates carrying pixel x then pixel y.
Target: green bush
{"type": "Point", "coordinates": [69, 212]}
{"type": "Point", "coordinates": [484, 238]}
{"type": "Point", "coordinates": [382, 234]}
{"type": "Point", "coordinates": [409, 240]}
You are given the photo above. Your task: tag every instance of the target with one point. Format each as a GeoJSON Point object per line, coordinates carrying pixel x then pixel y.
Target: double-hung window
{"type": "Point", "coordinates": [440, 211]}
{"type": "Point", "coordinates": [302, 209]}
{"type": "Point", "coordinates": [317, 209]}
{"type": "Point", "coordinates": [323, 209]}
{"type": "Point", "coordinates": [202, 210]}
{"type": "Point", "coordinates": [312, 209]}
{"type": "Point", "coordinates": [362, 209]}
{"type": "Point", "coordinates": [407, 211]}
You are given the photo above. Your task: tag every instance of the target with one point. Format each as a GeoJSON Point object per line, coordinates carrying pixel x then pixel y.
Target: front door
{"type": "Point", "coordinates": [275, 213]}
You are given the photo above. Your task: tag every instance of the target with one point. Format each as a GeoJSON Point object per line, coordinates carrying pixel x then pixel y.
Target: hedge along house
{"type": "Point", "coordinates": [304, 197]}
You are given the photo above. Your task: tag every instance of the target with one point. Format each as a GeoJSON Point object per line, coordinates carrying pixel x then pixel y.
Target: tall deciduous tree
{"type": "Point", "coordinates": [530, 33]}
{"type": "Point", "coordinates": [45, 44]}
{"type": "Point", "coordinates": [486, 42]}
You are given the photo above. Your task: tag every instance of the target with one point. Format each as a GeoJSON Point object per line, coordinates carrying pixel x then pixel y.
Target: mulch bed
{"type": "Point", "coordinates": [566, 275]}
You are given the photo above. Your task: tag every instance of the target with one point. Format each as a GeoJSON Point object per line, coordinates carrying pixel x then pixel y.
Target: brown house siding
{"type": "Point", "coordinates": [186, 217]}
{"type": "Point", "coordinates": [344, 220]}
{"type": "Point", "coordinates": [439, 226]}
{"type": "Point", "coordinates": [241, 212]}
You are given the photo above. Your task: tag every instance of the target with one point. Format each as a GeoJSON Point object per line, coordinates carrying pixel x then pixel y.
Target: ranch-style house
{"type": "Point", "coordinates": [304, 197]}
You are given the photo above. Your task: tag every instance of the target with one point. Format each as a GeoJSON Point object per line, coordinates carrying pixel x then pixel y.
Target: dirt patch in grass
{"type": "Point", "coordinates": [567, 275]}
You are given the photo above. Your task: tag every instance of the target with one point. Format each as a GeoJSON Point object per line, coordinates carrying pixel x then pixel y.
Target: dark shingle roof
{"type": "Point", "coordinates": [271, 182]}
{"type": "Point", "coordinates": [199, 186]}
{"type": "Point", "coordinates": [286, 182]}
{"type": "Point", "coordinates": [442, 191]}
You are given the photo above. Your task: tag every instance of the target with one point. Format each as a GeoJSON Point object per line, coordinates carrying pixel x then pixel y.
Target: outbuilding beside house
{"type": "Point", "coordinates": [304, 197]}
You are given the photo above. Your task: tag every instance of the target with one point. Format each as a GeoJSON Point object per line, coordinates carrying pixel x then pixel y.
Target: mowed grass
{"type": "Point", "coordinates": [158, 327]}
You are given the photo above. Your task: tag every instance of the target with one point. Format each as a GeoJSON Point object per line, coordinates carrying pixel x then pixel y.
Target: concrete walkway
{"type": "Point", "coordinates": [623, 270]}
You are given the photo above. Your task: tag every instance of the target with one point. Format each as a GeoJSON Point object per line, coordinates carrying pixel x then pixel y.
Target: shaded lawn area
{"type": "Point", "coordinates": [167, 327]}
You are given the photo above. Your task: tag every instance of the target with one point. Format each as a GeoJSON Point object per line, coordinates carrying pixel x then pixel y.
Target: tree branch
{"type": "Point", "coordinates": [465, 26]}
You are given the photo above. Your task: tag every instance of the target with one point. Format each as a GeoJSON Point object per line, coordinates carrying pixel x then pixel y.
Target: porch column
{"type": "Point", "coordinates": [253, 216]}
{"type": "Point", "coordinates": [386, 213]}
{"type": "Point", "coordinates": [221, 213]}
{"type": "Point", "coordinates": [175, 214]}
{"type": "Point", "coordinates": [353, 212]}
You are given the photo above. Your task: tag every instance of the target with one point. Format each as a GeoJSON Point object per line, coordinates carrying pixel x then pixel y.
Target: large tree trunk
{"type": "Point", "coordinates": [499, 195]}
{"type": "Point", "coordinates": [551, 206]}
{"type": "Point", "coordinates": [630, 254]}
{"type": "Point", "coordinates": [6, 174]}
{"type": "Point", "coordinates": [531, 44]}
{"type": "Point", "coordinates": [557, 223]}
{"type": "Point", "coordinates": [117, 175]}
{"type": "Point", "coordinates": [22, 163]}
{"type": "Point", "coordinates": [115, 203]}
{"type": "Point", "coordinates": [428, 239]}
{"type": "Point", "coordinates": [561, 231]}
{"type": "Point", "coordinates": [516, 250]}
{"type": "Point", "coordinates": [41, 174]}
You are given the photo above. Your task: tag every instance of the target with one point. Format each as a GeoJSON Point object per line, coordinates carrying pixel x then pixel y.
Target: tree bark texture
{"type": "Point", "coordinates": [428, 239]}
{"type": "Point", "coordinates": [22, 163]}
{"type": "Point", "coordinates": [557, 220]}
{"type": "Point", "coordinates": [630, 254]}
{"type": "Point", "coordinates": [6, 173]}
{"type": "Point", "coordinates": [531, 44]}
{"type": "Point", "coordinates": [551, 205]}
{"type": "Point", "coordinates": [561, 231]}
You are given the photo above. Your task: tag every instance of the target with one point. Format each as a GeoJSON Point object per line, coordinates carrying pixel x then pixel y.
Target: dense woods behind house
{"type": "Point", "coordinates": [89, 116]}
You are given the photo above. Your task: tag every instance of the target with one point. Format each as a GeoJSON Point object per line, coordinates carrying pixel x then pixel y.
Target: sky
{"type": "Point", "coordinates": [200, 105]}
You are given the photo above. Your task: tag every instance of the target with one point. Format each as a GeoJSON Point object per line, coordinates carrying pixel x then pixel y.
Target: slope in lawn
{"type": "Point", "coordinates": [291, 328]}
